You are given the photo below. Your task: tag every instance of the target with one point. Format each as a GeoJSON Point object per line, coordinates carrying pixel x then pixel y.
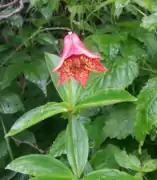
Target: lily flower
{"type": "Point", "coordinates": [77, 61]}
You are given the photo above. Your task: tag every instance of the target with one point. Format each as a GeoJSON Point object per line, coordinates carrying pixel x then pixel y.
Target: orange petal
{"type": "Point", "coordinates": [63, 78]}
{"type": "Point", "coordinates": [82, 77]}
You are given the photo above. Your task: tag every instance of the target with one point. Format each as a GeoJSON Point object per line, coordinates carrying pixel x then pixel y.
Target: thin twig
{"type": "Point", "coordinates": [14, 12]}
{"type": "Point", "coordinates": [30, 144]}
{"type": "Point", "coordinates": [9, 4]}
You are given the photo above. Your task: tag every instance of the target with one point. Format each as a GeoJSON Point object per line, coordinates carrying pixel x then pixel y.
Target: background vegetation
{"type": "Point", "coordinates": [124, 33]}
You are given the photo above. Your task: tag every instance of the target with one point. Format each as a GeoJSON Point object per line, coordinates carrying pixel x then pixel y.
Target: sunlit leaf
{"type": "Point", "coordinates": [146, 111]}
{"type": "Point", "coordinates": [109, 174]}
{"type": "Point", "coordinates": [76, 146]}
{"type": "Point", "coordinates": [40, 165]}
{"type": "Point", "coordinates": [105, 97]}
{"type": "Point", "coordinates": [36, 115]}
{"type": "Point", "coordinates": [58, 146]}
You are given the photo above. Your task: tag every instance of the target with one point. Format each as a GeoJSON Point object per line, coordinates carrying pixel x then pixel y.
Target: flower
{"type": "Point", "coordinates": [77, 61]}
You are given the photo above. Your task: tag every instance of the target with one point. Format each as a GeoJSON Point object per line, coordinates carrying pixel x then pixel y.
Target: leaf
{"type": "Point", "coordinates": [36, 115]}
{"type": "Point", "coordinates": [104, 159]}
{"type": "Point", "coordinates": [11, 71]}
{"type": "Point", "coordinates": [95, 130]}
{"type": "Point", "coordinates": [10, 102]}
{"type": "Point", "coordinates": [119, 5]}
{"type": "Point", "coordinates": [108, 174]}
{"type": "Point", "coordinates": [105, 97]}
{"type": "Point", "coordinates": [119, 122]}
{"type": "Point", "coordinates": [143, 3]}
{"type": "Point", "coordinates": [8, 175]}
{"type": "Point", "coordinates": [58, 146]}
{"type": "Point", "coordinates": [149, 39]}
{"type": "Point", "coordinates": [47, 178]}
{"type": "Point", "coordinates": [46, 38]}
{"type": "Point", "coordinates": [149, 165]}
{"type": "Point", "coordinates": [146, 110]}
{"type": "Point", "coordinates": [149, 22]}
{"type": "Point", "coordinates": [127, 161]}
{"type": "Point", "coordinates": [24, 136]}
{"type": "Point", "coordinates": [37, 73]}
{"type": "Point", "coordinates": [40, 165]}
{"type": "Point", "coordinates": [76, 146]}
{"type": "Point", "coordinates": [120, 75]}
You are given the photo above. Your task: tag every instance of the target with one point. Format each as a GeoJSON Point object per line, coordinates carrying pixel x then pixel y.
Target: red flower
{"type": "Point", "coordinates": [77, 61]}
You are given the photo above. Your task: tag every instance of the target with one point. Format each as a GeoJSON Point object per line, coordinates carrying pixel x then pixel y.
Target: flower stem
{"type": "Point", "coordinates": [70, 94]}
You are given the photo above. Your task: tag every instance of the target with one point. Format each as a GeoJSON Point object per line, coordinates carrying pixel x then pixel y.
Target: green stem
{"type": "Point", "coordinates": [7, 140]}
{"type": "Point", "coordinates": [70, 94]}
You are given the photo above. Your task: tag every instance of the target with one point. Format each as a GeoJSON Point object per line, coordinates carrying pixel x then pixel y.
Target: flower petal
{"type": "Point", "coordinates": [82, 77]}
{"type": "Point", "coordinates": [63, 78]}
{"type": "Point", "coordinates": [74, 46]}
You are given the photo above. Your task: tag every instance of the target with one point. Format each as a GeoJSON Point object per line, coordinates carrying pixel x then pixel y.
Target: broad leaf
{"type": "Point", "coordinates": [108, 174]}
{"type": "Point", "coordinates": [149, 165]}
{"type": "Point", "coordinates": [95, 131]}
{"type": "Point", "coordinates": [105, 97]}
{"type": "Point", "coordinates": [36, 115]}
{"type": "Point", "coordinates": [25, 136]}
{"type": "Point", "coordinates": [11, 71]}
{"type": "Point", "coordinates": [40, 165]}
{"type": "Point", "coordinates": [104, 159]}
{"type": "Point", "coordinates": [119, 123]}
{"type": "Point", "coordinates": [126, 161]}
{"type": "Point", "coordinates": [48, 178]}
{"type": "Point", "coordinates": [37, 73]}
{"type": "Point", "coordinates": [58, 146]}
{"type": "Point", "coordinates": [150, 22]}
{"type": "Point", "coordinates": [146, 110]}
{"type": "Point", "coordinates": [10, 102]}
{"type": "Point", "coordinates": [120, 75]}
{"type": "Point", "coordinates": [76, 146]}
{"type": "Point", "coordinates": [119, 5]}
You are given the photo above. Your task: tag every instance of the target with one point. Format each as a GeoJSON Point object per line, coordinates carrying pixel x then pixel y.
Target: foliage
{"type": "Point", "coordinates": [112, 132]}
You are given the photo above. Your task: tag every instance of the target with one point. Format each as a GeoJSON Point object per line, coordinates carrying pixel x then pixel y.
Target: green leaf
{"type": "Point", "coordinates": [146, 110]}
{"type": "Point", "coordinates": [120, 75]}
{"type": "Point", "coordinates": [95, 130]}
{"type": "Point", "coordinates": [37, 73]}
{"type": "Point", "coordinates": [143, 3]}
{"type": "Point", "coordinates": [149, 165]}
{"type": "Point", "coordinates": [58, 146]}
{"type": "Point", "coordinates": [48, 178]}
{"type": "Point", "coordinates": [119, 5]}
{"type": "Point", "coordinates": [105, 97]}
{"type": "Point", "coordinates": [104, 159]}
{"type": "Point", "coordinates": [25, 136]}
{"type": "Point", "coordinates": [149, 39]}
{"type": "Point", "coordinates": [40, 165]}
{"type": "Point", "coordinates": [108, 174]}
{"type": "Point", "coordinates": [119, 123]}
{"type": "Point", "coordinates": [149, 22]}
{"type": "Point", "coordinates": [76, 146]}
{"type": "Point", "coordinates": [10, 102]}
{"type": "Point", "coordinates": [46, 38]}
{"type": "Point", "coordinates": [11, 71]}
{"type": "Point", "coordinates": [127, 161]}
{"type": "Point", "coordinates": [36, 115]}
